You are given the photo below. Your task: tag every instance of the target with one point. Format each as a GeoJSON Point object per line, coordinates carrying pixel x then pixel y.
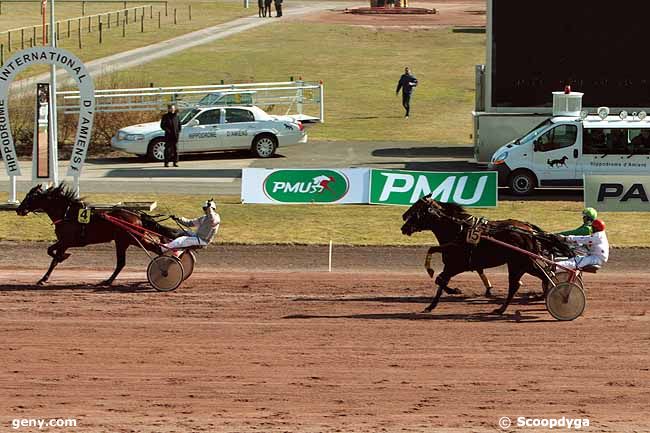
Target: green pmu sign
{"type": "Point", "coordinates": [398, 187]}
{"type": "Point", "coordinates": [306, 186]}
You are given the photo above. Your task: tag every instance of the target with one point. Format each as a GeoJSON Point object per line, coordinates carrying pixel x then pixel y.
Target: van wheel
{"type": "Point", "coordinates": [522, 182]}
{"type": "Point", "coordinates": [156, 150]}
{"type": "Point", "coordinates": [264, 146]}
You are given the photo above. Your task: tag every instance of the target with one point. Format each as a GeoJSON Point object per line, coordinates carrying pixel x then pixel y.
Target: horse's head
{"type": "Point", "coordinates": [427, 214]}
{"type": "Point", "coordinates": [422, 215]}
{"type": "Point", "coordinates": [33, 201]}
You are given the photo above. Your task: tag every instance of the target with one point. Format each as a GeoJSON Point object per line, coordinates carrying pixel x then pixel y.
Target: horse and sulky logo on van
{"type": "Point", "coordinates": [306, 186]}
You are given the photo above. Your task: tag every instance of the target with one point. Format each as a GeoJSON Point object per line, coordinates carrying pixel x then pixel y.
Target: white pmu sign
{"type": "Point", "coordinates": [71, 63]}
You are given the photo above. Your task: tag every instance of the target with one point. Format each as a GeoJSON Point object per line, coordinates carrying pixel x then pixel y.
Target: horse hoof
{"type": "Point", "coordinates": [430, 272]}
{"type": "Point", "coordinates": [498, 311]}
{"type": "Point", "coordinates": [41, 282]}
{"type": "Point", "coordinates": [105, 283]}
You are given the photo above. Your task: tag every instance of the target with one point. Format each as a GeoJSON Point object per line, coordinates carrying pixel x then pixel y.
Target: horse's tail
{"type": "Point", "coordinates": [149, 223]}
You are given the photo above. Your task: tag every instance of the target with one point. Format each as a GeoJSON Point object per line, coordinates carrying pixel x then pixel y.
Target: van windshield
{"type": "Point", "coordinates": [533, 132]}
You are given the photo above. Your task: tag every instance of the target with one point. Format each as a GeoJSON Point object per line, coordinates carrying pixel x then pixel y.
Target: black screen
{"type": "Point", "coordinates": [596, 47]}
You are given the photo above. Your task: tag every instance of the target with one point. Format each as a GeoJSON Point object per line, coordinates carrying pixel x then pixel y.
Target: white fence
{"type": "Point", "coordinates": [303, 99]}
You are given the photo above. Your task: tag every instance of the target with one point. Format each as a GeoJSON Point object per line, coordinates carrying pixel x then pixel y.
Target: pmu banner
{"type": "Point", "coordinates": [399, 187]}
{"type": "Point", "coordinates": [618, 193]}
{"type": "Point", "coordinates": [295, 186]}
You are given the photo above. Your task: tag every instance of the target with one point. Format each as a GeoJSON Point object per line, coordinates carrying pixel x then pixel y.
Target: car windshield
{"type": "Point", "coordinates": [187, 115]}
{"type": "Point", "coordinates": [534, 132]}
{"type": "Point", "coordinates": [210, 99]}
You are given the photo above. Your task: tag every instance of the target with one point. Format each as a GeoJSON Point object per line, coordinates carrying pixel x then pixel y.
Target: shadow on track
{"type": "Point", "coordinates": [139, 287]}
{"type": "Point", "coordinates": [473, 300]}
{"type": "Point", "coordinates": [475, 317]}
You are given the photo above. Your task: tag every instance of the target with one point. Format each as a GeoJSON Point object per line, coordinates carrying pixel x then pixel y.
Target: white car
{"type": "Point", "coordinates": [207, 129]}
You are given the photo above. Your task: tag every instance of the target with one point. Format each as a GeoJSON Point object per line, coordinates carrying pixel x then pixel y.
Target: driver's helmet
{"type": "Point", "coordinates": [210, 204]}
{"type": "Point", "coordinates": [589, 214]}
{"type": "Point", "coordinates": [598, 226]}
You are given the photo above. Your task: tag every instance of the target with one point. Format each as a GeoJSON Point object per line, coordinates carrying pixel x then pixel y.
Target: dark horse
{"type": "Point", "coordinates": [62, 206]}
{"type": "Point", "coordinates": [449, 223]}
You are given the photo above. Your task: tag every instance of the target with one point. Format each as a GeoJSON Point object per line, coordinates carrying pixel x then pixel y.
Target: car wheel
{"type": "Point", "coordinates": [264, 146]}
{"type": "Point", "coordinates": [156, 150]}
{"type": "Point", "coordinates": [522, 182]}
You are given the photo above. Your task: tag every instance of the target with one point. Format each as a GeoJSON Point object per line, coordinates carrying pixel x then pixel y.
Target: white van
{"type": "Point", "coordinates": [560, 150]}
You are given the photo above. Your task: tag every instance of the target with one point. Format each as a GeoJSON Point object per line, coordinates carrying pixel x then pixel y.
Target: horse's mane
{"type": "Point", "coordinates": [66, 192]}
{"type": "Point", "coordinates": [453, 209]}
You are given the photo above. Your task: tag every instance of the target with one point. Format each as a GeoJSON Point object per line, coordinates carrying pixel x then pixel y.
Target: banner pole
{"type": "Point", "coordinates": [330, 259]}
{"type": "Point", "coordinates": [12, 190]}
{"type": "Point", "coordinates": [54, 136]}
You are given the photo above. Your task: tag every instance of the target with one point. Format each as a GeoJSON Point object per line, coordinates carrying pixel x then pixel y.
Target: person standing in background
{"type": "Point", "coordinates": [406, 83]}
{"type": "Point", "coordinates": [171, 124]}
{"type": "Point", "coordinates": [278, 8]}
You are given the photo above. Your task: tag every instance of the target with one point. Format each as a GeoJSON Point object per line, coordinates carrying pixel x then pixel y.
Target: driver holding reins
{"type": "Point", "coordinates": [207, 229]}
{"type": "Point", "coordinates": [597, 245]}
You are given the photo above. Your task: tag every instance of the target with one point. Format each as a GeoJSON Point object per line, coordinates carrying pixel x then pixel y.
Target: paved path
{"type": "Point", "coordinates": [220, 173]}
{"type": "Point", "coordinates": [139, 56]}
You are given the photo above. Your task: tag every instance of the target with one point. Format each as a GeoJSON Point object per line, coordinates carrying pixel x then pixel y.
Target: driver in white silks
{"type": "Point", "coordinates": [207, 229]}
{"type": "Point", "coordinates": [597, 245]}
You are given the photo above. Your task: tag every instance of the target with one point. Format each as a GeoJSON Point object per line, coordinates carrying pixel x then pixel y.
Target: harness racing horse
{"type": "Point", "coordinates": [449, 221]}
{"type": "Point", "coordinates": [63, 208]}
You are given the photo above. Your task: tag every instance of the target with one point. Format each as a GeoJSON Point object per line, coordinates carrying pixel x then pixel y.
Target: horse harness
{"type": "Point", "coordinates": [82, 218]}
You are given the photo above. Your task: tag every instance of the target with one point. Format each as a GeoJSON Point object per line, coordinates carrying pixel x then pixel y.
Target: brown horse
{"type": "Point", "coordinates": [63, 208]}
{"type": "Point", "coordinates": [449, 223]}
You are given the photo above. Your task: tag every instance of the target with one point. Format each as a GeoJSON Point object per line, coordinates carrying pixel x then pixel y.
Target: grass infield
{"type": "Point", "coordinates": [343, 224]}
{"type": "Point", "coordinates": [359, 67]}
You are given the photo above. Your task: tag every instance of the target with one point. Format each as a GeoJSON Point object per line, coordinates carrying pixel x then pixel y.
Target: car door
{"type": "Point", "coordinates": [556, 155]}
{"type": "Point", "coordinates": [239, 128]}
{"type": "Point", "coordinates": [202, 133]}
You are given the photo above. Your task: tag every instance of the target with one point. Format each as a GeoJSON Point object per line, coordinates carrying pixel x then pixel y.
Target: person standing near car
{"type": "Point", "coordinates": [171, 124]}
{"type": "Point", "coordinates": [406, 83]}
{"type": "Point", "coordinates": [278, 8]}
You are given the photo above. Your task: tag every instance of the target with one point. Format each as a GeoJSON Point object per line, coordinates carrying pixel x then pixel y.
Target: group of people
{"type": "Point", "coordinates": [264, 7]}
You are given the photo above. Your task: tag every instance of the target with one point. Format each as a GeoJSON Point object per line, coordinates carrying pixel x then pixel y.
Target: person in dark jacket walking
{"type": "Point", "coordinates": [171, 124]}
{"type": "Point", "coordinates": [406, 83]}
{"type": "Point", "coordinates": [278, 8]}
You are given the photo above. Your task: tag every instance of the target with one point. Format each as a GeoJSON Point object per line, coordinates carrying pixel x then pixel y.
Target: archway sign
{"type": "Point", "coordinates": [71, 63]}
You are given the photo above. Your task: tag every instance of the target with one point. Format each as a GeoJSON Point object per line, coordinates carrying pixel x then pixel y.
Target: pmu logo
{"type": "Point", "coordinates": [617, 191]}
{"type": "Point", "coordinates": [306, 186]}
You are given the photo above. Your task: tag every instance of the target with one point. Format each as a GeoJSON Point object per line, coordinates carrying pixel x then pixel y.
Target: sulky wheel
{"type": "Point", "coordinates": [165, 273]}
{"type": "Point", "coordinates": [188, 259]}
{"type": "Point", "coordinates": [566, 301]}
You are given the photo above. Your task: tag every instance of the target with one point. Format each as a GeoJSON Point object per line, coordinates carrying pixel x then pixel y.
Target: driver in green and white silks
{"type": "Point", "coordinates": [208, 225]}
{"type": "Point", "coordinates": [588, 216]}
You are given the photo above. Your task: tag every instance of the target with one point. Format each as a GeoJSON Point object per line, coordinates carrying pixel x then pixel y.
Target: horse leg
{"type": "Point", "coordinates": [514, 275]}
{"type": "Point", "coordinates": [486, 283]}
{"type": "Point", "coordinates": [442, 280]}
{"type": "Point", "coordinates": [120, 252]}
{"type": "Point", "coordinates": [427, 260]}
{"type": "Point", "coordinates": [57, 257]}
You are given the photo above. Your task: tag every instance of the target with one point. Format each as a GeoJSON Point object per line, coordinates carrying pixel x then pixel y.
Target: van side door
{"type": "Point", "coordinates": [616, 151]}
{"type": "Point", "coordinates": [557, 154]}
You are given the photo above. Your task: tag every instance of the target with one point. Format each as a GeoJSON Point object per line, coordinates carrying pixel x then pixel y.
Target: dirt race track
{"type": "Point", "coordinates": [302, 350]}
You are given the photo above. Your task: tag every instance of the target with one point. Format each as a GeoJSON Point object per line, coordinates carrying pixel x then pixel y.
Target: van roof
{"type": "Point", "coordinates": [608, 122]}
